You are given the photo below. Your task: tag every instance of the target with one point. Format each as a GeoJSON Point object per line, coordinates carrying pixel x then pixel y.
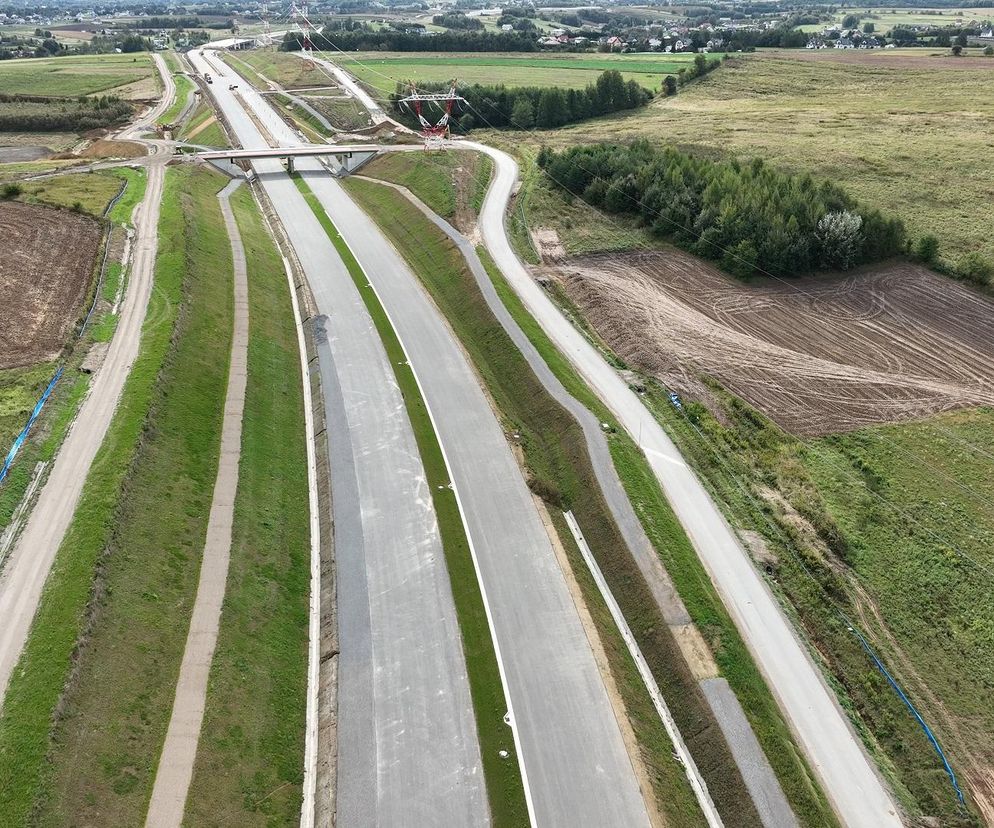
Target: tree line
{"type": "Point", "coordinates": [64, 114]}
{"type": "Point", "coordinates": [364, 40]}
{"type": "Point", "coordinates": [535, 106]}
{"type": "Point", "coordinates": [747, 216]}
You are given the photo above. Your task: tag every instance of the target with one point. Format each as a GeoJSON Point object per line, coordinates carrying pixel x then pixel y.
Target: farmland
{"type": "Point", "coordinates": [128, 76]}
{"type": "Point", "coordinates": [901, 131]}
{"type": "Point", "coordinates": [41, 295]}
{"type": "Point", "coordinates": [815, 355]}
{"type": "Point", "coordinates": [383, 70]}
{"type": "Point", "coordinates": [885, 19]}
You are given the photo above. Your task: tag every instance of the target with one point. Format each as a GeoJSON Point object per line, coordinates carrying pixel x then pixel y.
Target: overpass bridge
{"type": "Point", "coordinates": [348, 156]}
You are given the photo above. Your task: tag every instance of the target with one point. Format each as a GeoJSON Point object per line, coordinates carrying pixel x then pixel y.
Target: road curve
{"type": "Point", "coordinates": [835, 752]}
{"type": "Point", "coordinates": [26, 569]}
{"type": "Point", "coordinates": [408, 752]}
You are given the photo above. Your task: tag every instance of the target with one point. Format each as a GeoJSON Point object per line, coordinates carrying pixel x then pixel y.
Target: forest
{"type": "Point", "coordinates": [749, 217]}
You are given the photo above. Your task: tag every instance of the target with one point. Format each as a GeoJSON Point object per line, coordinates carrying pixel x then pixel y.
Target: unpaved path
{"type": "Point", "coordinates": [172, 779]}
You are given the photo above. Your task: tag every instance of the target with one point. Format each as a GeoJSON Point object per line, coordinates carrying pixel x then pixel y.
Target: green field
{"type": "Point", "coordinates": [885, 19]}
{"type": "Point", "coordinates": [907, 138]}
{"type": "Point", "coordinates": [74, 75]}
{"type": "Point", "coordinates": [383, 70]}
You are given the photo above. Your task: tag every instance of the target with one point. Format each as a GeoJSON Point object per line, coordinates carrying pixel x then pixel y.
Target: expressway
{"type": "Point", "coordinates": [408, 752]}
{"type": "Point", "coordinates": [576, 768]}
{"type": "Point", "coordinates": [834, 750]}
{"type": "Point", "coordinates": [26, 570]}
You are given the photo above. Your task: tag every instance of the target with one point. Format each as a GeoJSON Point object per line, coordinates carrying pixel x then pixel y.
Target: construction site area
{"type": "Point", "coordinates": [817, 356]}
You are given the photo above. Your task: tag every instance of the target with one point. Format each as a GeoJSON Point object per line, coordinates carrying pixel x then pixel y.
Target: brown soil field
{"type": "Point", "coordinates": [816, 355]}
{"type": "Point", "coordinates": [48, 259]}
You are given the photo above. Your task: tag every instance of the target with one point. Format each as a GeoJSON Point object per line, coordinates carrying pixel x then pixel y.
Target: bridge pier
{"type": "Point", "coordinates": [289, 164]}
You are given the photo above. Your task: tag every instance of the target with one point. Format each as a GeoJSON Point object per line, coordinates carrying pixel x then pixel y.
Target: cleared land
{"type": "Point", "coordinates": [815, 355]}
{"type": "Point", "coordinates": [908, 139]}
{"type": "Point", "coordinates": [79, 75]}
{"type": "Point", "coordinates": [45, 272]}
{"type": "Point", "coordinates": [383, 70]}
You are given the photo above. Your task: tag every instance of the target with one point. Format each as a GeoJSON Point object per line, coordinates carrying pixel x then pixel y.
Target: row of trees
{"type": "Point", "coordinates": [749, 217]}
{"type": "Point", "coordinates": [535, 106]}
{"type": "Point", "coordinates": [64, 114]}
{"type": "Point", "coordinates": [395, 41]}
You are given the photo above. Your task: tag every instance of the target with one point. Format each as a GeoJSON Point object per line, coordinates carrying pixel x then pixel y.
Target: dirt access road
{"type": "Point", "coordinates": [24, 575]}
{"type": "Point", "coordinates": [816, 355]}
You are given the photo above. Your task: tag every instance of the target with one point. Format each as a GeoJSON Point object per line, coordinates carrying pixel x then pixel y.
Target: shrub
{"type": "Point", "coordinates": [10, 191]}
{"type": "Point", "coordinates": [927, 249]}
{"type": "Point", "coordinates": [975, 268]}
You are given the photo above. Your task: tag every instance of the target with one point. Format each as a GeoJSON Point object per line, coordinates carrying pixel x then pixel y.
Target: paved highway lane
{"type": "Point", "coordinates": [408, 753]}
{"type": "Point", "coordinates": [834, 750]}
{"type": "Point", "coordinates": [577, 770]}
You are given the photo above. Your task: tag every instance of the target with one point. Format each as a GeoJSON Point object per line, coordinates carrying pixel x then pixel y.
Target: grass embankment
{"type": "Point", "coordinates": [35, 694]}
{"type": "Point", "coordinates": [124, 582]}
{"type": "Point", "coordinates": [561, 474]}
{"type": "Point", "coordinates": [503, 779]}
{"type": "Point", "coordinates": [250, 757]}
{"type": "Point", "coordinates": [899, 143]}
{"type": "Point", "coordinates": [874, 515]}
{"type": "Point", "coordinates": [183, 88]}
{"type": "Point", "coordinates": [451, 182]}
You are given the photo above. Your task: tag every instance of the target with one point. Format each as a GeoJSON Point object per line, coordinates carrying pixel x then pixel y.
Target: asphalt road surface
{"type": "Point", "coordinates": [821, 727]}
{"type": "Point", "coordinates": [26, 570]}
{"type": "Point", "coordinates": [408, 752]}
{"type": "Point", "coordinates": [576, 768]}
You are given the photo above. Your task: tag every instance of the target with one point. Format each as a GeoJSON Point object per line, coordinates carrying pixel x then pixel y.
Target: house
{"type": "Point", "coordinates": [655, 43]}
{"type": "Point", "coordinates": [506, 27]}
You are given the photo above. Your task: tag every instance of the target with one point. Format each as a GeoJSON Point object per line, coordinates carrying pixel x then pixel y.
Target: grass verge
{"type": "Point", "coordinates": [35, 692]}
{"type": "Point", "coordinates": [560, 473]}
{"type": "Point", "coordinates": [874, 515]}
{"type": "Point", "coordinates": [250, 757]}
{"type": "Point", "coordinates": [128, 570]}
{"type": "Point", "coordinates": [183, 88]}
{"type": "Point", "coordinates": [503, 778]}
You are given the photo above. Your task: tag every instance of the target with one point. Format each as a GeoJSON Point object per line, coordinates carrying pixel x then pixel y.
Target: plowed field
{"type": "Point", "coordinates": [46, 263]}
{"type": "Point", "coordinates": [815, 355]}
